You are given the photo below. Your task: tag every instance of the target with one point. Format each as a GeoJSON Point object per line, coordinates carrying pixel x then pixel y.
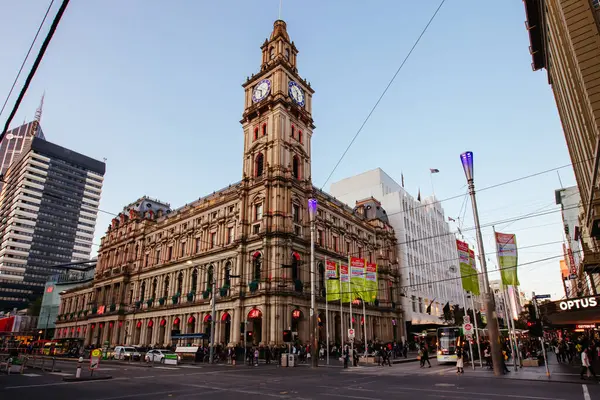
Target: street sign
{"type": "Point", "coordinates": [95, 359]}
{"type": "Point", "coordinates": [466, 319]}
{"type": "Point", "coordinates": [351, 333]}
{"type": "Point", "coordinates": [468, 329]}
{"type": "Point", "coordinates": [542, 296]}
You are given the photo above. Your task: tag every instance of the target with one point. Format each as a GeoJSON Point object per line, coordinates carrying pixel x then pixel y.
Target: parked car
{"type": "Point", "coordinates": [158, 355]}
{"type": "Point", "coordinates": [126, 353]}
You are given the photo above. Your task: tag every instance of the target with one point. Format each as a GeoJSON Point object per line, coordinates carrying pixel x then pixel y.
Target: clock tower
{"type": "Point", "coordinates": [277, 117]}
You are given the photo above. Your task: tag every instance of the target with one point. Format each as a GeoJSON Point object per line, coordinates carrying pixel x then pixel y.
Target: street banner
{"type": "Point", "coordinates": [465, 265]}
{"type": "Point", "coordinates": [370, 291]}
{"type": "Point", "coordinates": [332, 282]}
{"type": "Point", "coordinates": [474, 274]}
{"type": "Point", "coordinates": [345, 279]}
{"type": "Point", "coordinates": [506, 246]}
{"type": "Point", "coordinates": [357, 277]}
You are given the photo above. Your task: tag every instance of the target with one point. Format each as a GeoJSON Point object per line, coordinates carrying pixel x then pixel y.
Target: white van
{"type": "Point", "coordinates": [126, 353]}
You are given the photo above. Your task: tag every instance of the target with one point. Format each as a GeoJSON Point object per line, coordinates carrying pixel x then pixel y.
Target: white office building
{"type": "Point", "coordinates": [427, 249]}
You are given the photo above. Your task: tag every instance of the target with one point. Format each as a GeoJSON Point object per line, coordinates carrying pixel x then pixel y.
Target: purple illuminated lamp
{"type": "Point", "coordinates": [312, 208]}
{"type": "Point", "coordinates": [467, 162]}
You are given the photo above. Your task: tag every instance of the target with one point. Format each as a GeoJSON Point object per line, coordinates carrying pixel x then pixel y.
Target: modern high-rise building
{"type": "Point", "coordinates": [426, 247]}
{"type": "Point", "coordinates": [565, 40]}
{"type": "Point", "coordinates": [48, 209]}
{"type": "Point", "coordinates": [15, 141]}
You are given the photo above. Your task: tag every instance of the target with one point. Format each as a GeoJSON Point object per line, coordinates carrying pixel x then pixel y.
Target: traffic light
{"type": "Point", "coordinates": [533, 323]}
{"type": "Point", "coordinates": [287, 336]}
{"type": "Point", "coordinates": [249, 336]}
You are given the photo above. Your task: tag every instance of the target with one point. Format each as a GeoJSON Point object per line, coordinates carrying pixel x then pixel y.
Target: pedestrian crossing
{"type": "Point", "coordinates": [402, 370]}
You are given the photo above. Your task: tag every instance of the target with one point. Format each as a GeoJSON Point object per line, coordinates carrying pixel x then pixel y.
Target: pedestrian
{"type": "Point", "coordinates": [586, 366]}
{"type": "Point", "coordinates": [459, 360]}
{"type": "Point", "coordinates": [425, 356]}
{"type": "Point", "coordinates": [256, 357]}
{"type": "Point", "coordinates": [346, 354]}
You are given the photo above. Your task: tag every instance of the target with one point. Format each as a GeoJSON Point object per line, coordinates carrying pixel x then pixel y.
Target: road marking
{"type": "Point", "coordinates": [351, 397]}
{"type": "Point", "coordinates": [166, 368]}
{"type": "Point", "coordinates": [586, 394]}
{"type": "Point", "coordinates": [32, 375]}
{"type": "Point", "coordinates": [63, 383]}
{"type": "Point", "coordinates": [128, 396]}
{"type": "Point", "coordinates": [445, 384]}
{"type": "Point", "coordinates": [60, 373]}
{"type": "Point", "coordinates": [256, 392]}
{"type": "Point", "coordinates": [483, 395]}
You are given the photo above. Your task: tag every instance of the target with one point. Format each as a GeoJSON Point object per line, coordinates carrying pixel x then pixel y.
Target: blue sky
{"type": "Point", "coordinates": [154, 87]}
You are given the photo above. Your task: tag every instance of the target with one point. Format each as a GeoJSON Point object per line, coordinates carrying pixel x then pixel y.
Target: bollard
{"type": "Point", "coordinates": [79, 362]}
{"type": "Point", "coordinates": [24, 365]}
{"type": "Point", "coordinates": [152, 360]}
{"type": "Point", "coordinates": [8, 365]}
{"type": "Point", "coordinates": [53, 363]}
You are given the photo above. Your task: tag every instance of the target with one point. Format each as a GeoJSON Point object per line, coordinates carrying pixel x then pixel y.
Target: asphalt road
{"type": "Point", "coordinates": [405, 381]}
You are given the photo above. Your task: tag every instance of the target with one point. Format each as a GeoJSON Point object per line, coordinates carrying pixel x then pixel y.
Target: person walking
{"type": "Point", "coordinates": [586, 366]}
{"type": "Point", "coordinates": [459, 360]}
{"type": "Point", "coordinates": [346, 356]}
{"type": "Point", "coordinates": [425, 356]}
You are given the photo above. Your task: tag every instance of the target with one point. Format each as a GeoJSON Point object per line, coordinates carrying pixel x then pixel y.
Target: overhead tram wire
{"type": "Point", "coordinates": [26, 58]}
{"type": "Point", "coordinates": [35, 65]}
{"type": "Point", "coordinates": [385, 91]}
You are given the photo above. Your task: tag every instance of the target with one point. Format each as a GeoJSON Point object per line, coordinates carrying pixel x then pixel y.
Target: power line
{"type": "Point", "coordinates": [385, 90]}
{"type": "Point", "coordinates": [35, 65]}
{"type": "Point", "coordinates": [26, 57]}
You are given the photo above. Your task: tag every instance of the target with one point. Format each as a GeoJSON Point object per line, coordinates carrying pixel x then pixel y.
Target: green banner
{"type": "Point", "coordinates": [345, 278]}
{"type": "Point", "coordinates": [506, 245]}
{"type": "Point", "coordinates": [357, 277]}
{"type": "Point", "coordinates": [474, 274]}
{"type": "Point", "coordinates": [370, 291]}
{"type": "Point", "coordinates": [333, 281]}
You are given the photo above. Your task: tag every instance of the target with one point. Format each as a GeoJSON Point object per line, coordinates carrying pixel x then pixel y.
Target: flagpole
{"type": "Point", "coordinates": [470, 344]}
{"type": "Point", "coordinates": [351, 322]}
{"type": "Point", "coordinates": [341, 312]}
{"type": "Point", "coordinates": [326, 312]}
{"type": "Point", "coordinates": [431, 179]}
{"type": "Point", "coordinates": [476, 330]}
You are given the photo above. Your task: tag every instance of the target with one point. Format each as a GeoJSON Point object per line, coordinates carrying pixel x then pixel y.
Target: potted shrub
{"type": "Point", "coordinates": [149, 302]}
{"type": "Point", "coordinates": [298, 285]}
{"type": "Point", "coordinates": [175, 298]}
{"type": "Point", "coordinates": [161, 301]}
{"type": "Point", "coordinates": [376, 302]}
{"type": "Point", "coordinates": [113, 307]}
{"type": "Point", "coordinates": [205, 294]}
{"type": "Point", "coordinates": [138, 304]}
{"type": "Point", "coordinates": [224, 290]}
{"type": "Point", "coordinates": [94, 310]}
{"type": "Point", "coordinates": [253, 286]}
{"type": "Point", "coordinates": [190, 296]}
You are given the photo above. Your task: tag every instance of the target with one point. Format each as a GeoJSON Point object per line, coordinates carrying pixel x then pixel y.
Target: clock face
{"type": "Point", "coordinates": [296, 93]}
{"type": "Point", "coordinates": [261, 90]}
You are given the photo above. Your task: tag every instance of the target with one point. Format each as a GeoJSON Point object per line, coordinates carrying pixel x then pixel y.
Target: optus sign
{"type": "Point", "coordinates": [578, 304]}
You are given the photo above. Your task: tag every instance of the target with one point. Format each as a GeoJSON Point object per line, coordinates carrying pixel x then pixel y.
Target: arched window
{"type": "Point", "coordinates": [296, 167]}
{"type": "Point", "coordinates": [293, 131]}
{"type": "Point", "coordinates": [287, 54]}
{"type": "Point", "coordinates": [142, 291]}
{"type": "Point", "coordinates": [194, 284]}
{"type": "Point", "coordinates": [227, 274]}
{"type": "Point", "coordinates": [300, 136]}
{"type": "Point", "coordinates": [180, 283]}
{"type": "Point", "coordinates": [264, 129]}
{"type": "Point", "coordinates": [259, 165]}
{"type": "Point", "coordinates": [257, 266]}
{"type": "Point", "coordinates": [154, 286]}
{"type": "Point", "coordinates": [256, 133]}
{"type": "Point", "coordinates": [272, 55]}
{"type": "Point", "coordinates": [209, 277]}
{"type": "Point", "coordinates": [166, 288]}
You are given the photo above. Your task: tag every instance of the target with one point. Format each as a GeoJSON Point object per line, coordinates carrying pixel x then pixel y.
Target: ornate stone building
{"type": "Point", "coordinates": [156, 265]}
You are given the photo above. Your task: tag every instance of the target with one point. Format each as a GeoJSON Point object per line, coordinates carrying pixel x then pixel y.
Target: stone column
{"type": "Point", "coordinates": [236, 324]}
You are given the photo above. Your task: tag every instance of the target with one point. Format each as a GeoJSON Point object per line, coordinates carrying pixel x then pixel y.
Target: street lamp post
{"type": "Point", "coordinates": [213, 306]}
{"type": "Point", "coordinates": [312, 210]}
{"type": "Point", "coordinates": [492, 326]}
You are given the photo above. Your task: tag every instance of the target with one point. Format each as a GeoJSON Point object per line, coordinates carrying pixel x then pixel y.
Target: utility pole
{"type": "Point", "coordinates": [490, 306]}
{"type": "Point", "coordinates": [213, 304]}
{"type": "Point", "coordinates": [312, 210]}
